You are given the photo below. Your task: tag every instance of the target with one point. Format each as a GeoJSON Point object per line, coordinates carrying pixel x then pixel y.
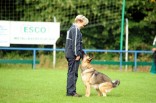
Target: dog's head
{"type": "Point", "coordinates": [86, 59]}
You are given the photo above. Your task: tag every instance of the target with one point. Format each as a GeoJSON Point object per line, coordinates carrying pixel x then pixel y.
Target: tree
{"type": "Point", "coordinates": [141, 15]}
{"type": "Point", "coordinates": [103, 31]}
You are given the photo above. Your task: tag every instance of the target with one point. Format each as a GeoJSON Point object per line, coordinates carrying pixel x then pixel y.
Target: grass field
{"type": "Point", "coordinates": [49, 86]}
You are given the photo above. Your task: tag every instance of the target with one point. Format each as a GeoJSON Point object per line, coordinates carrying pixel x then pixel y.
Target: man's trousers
{"type": "Point", "coordinates": [72, 75]}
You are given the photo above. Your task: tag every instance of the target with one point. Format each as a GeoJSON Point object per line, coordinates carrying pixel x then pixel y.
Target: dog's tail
{"type": "Point", "coordinates": [115, 83]}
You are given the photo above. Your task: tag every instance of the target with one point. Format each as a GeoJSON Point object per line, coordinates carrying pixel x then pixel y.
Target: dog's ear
{"type": "Point", "coordinates": [91, 56]}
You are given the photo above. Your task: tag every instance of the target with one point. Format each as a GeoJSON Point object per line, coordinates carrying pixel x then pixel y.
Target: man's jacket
{"type": "Point", "coordinates": [73, 45]}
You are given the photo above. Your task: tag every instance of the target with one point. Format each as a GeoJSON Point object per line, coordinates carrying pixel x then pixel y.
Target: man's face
{"type": "Point", "coordinates": [82, 24]}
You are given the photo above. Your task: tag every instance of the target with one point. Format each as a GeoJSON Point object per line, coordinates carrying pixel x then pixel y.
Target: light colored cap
{"type": "Point", "coordinates": [83, 18]}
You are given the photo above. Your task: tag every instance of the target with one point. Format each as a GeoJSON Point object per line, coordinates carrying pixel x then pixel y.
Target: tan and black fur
{"type": "Point", "coordinates": [92, 78]}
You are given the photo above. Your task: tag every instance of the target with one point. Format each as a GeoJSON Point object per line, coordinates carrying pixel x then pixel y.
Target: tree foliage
{"type": "Point", "coordinates": [103, 31]}
{"type": "Point", "coordinates": [141, 15]}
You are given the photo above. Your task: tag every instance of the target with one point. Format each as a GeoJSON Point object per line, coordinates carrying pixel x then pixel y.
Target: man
{"type": "Point", "coordinates": [73, 53]}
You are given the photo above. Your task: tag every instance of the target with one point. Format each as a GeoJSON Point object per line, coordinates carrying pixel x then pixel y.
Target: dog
{"type": "Point", "coordinates": [92, 78]}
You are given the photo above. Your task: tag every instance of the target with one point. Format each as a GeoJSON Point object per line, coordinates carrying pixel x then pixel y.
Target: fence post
{"type": "Point", "coordinates": [126, 44]}
{"type": "Point", "coordinates": [54, 55]}
{"type": "Point", "coordinates": [135, 61]}
{"type": "Point", "coordinates": [34, 59]}
{"type": "Point", "coordinates": [120, 60]}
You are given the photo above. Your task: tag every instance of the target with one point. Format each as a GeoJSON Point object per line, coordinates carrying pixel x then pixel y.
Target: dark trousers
{"type": "Point", "coordinates": [72, 76]}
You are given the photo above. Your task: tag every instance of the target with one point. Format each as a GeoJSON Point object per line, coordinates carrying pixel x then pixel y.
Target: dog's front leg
{"type": "Point", "coordinates": [87, 90]}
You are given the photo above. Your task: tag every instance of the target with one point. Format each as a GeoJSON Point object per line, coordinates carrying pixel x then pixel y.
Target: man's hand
{"type": "Point", "coordinates": [77, 58]}
{"type": "Point", "coordinates": [154, 49]}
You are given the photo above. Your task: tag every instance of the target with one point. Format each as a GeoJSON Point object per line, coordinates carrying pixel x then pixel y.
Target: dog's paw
{"type": "Point", "coordinates": [87, 95]}
{"type": "Point", "coordinates": [104, 94]}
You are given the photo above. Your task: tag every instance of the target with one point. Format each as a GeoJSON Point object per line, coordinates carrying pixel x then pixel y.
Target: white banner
{"type": "Point", "coordinates": [4, 33]}
{"type": "Point", "coordinates": [34, 32]}
{"type": "Point", "coordinates": [45, 33]}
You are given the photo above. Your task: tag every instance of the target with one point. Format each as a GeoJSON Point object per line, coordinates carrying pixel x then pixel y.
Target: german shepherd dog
{"type": "Point", "coordinates": [92, 78]}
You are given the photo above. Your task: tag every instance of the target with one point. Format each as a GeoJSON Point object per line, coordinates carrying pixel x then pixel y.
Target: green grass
{"type": "Point", "coordinates": [49, 86]}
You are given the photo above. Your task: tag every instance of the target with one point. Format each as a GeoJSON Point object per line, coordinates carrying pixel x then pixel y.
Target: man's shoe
{"type": "Point", "coordinates": [74, 95]}
{"type": "Point", "coordinates": [69, 95]}
{"type": "Point", "coordinates": [77, 95]}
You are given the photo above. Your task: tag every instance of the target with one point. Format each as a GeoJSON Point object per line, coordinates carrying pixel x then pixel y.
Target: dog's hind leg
{"type": "Point", "coordinates": [103, 91]}
{"type": "Point", "coordinates": [105, 87]}
{"type": "Point", "coordinates": [99, 93]}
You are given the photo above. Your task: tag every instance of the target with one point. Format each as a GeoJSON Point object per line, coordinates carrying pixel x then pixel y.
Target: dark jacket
{"type": "Point", "coordinates": [73, 45]}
